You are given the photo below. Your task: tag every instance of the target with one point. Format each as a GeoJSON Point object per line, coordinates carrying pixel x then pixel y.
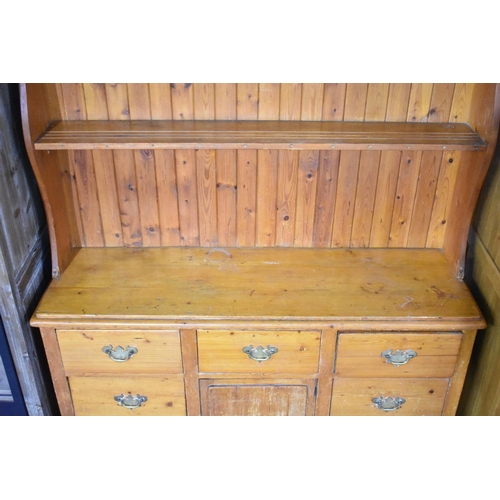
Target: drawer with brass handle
{"type": "Point", "coordinates": [371, 397]}
{"type": "Point", "coordinates": [120, 352]}
{"type": "Point", "coordinates": [397, 354]}
{"type": "Point", "coordinates": [127, 396]}
{"type": "Point", "coordinates": [229, 351]}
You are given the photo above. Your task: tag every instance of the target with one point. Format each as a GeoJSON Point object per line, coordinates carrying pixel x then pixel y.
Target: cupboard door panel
{"type": "Point", "coordinates": [255, 398]}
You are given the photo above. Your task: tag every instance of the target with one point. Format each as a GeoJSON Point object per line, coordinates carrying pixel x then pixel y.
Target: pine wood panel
{"type": "Point", "coordinates": [157, 352]}
{"type": "Point", "coordinates": [207, 204]}
{"type": "Point", "coordinates": [227, 184]}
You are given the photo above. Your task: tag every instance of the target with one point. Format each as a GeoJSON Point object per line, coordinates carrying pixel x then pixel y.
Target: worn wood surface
{"type": "Point", "coordinates": [196, 283]}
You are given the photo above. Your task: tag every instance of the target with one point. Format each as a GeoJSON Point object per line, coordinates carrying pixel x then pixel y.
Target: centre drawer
{"type": "Point", "coordinates": [120, 352]}
{"type": "Point", "coordinates": [229, 351]}
{"type": "Point", "coordinates": [397, 354]}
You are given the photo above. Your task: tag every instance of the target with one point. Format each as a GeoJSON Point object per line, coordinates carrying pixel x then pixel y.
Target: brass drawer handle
{"type": "Point", "coordinates": [130, 402]}
{"type": "Point", "coordinates": [388, 403]}
{"type": "Point", "coordinates": [119, 354]}
{"type": "Point", "coordinates": [260, 353]}
{"type": "Point", "coordinates": [398, 357]}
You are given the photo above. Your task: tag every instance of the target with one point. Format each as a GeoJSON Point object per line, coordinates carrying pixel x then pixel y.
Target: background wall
{"type": "Point", "coordinates": [481, 395]}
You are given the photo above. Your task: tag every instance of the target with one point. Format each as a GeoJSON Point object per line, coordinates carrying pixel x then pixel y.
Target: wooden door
{"type": "Point", "coordinates": [240, 397]}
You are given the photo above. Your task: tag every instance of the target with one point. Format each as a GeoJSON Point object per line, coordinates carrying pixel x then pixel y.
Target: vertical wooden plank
{"type": "Point", "coordinates": [207, 204]}
{"type": "Point", "coordinates": [139, 103]}
{"type": "Point", "coordinates": [95, 101]}
{"type": "Point", "coordinates": [419, 102]}
{"type": "Point", "coordinates": [460, 106]}
{"type": "Point", "coordinates": [108, 198]}
{"type": "Point", "coordinates": [168, 207]}
{"type": "Point", "coordinates": [290, 101]}
{"type": "Point", "coordinates": [267, 179]}
{"type": "Point", "coordinates": [247, 101]}
{"type": "Point", "coordinates": [126, 185]}
{"type": "Point", "coordinates": [288, 165]}
{"type": "Point", "coordinates": [74, 101]}
{"type": "Point", "coordinates": [148, 197]}
{"type": "Point", "coordinates": [384, 198]}
{"type": "Point", "coordinates": [365, 198]}
{"type": "Point", "coordinates": [269, 101]}
{"type": "Point", "coordinates": [161, 101]}
{"type": "Point", "coordinates": [334, 101]}
{"type": "Point", "coordinates": [443, 199]}
{"type": "Point", "coordinates": [355, 102]}
{"type": "Point", "coordinates": [312, 101]}
{"type": "Point", "coordinates": [190, 364]}
{"type": "Point", "coordinates": [185, 166]}
{"type": "Point", "coordinates": [225, 101]}
{"type": "Point", "coordinates": [405, 198]}
{"type": "Point", "coordinates": [397, 103]}
{"type": "Point", "coordinates": [325, 197]}
{"type": "Point", "coordinates": [104, 168]}
{"type": "Point", "coordinates": [182, 102]}
{"type": "Point", "coordinates": [325, 376]}
{"type": "Point", "coordinates": [307, 181]}
{"type": "Point", "coordinates": [117, 100]}
{"type": "Point", "coordinates": [246, 162]}
{"type": "Point", "coordinates": [87, 197]}
{"type": "Point", "coordinates": [442, 96]}
{"type": "Point", "coordinates": [226, 197]}
{"type": "Point", "coordinates": [376, 102]}
{"type": "Point", "coordinates": [204, 101]}
{"type": "Point", "coordinates": [424, 199]}
{"type": "Point", "coordinates": [346, 196]}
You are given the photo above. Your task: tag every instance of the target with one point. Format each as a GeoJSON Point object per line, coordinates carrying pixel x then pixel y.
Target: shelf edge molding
{"type": "Point", "coordinates": [288, 135]}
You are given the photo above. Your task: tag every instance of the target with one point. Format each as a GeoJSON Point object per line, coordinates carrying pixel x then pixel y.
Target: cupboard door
{"type": "Point", "coordinates": [257, 398]}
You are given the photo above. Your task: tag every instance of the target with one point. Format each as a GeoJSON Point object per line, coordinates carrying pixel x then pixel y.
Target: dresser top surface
{"type": "Point", "coordinates": [258, 284]}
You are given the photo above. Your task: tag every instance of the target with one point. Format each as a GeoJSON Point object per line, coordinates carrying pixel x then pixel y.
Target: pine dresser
{"type": "Point", "coordinates": [259, 249]}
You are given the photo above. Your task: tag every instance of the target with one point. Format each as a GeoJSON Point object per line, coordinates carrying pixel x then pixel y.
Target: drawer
{"type": "Point", "coordinates": [353, 397]}
{"type": "Point", "coordinates": [153, 352]}
{"type": "Point", "coordinates": [96, 396]}
{"type": "Point", "coordinates": [221, 351]}
{"type": "Point", "coordinates": [360, 354]}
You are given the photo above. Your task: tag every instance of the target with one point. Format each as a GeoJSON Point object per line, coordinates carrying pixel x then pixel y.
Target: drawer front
{"type": "Point", "coordinates": [96, 396]}
{"type": "Point", "coordinates": [222, 351]}
{"type": "Point", "coordinates": [433, 354]}
{"type": "Point", "coordinates": [354, 397]}
{"type": "Point", "coordinates": [151, 351]}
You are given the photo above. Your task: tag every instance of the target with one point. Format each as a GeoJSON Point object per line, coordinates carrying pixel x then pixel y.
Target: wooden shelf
{"type": "Point", "coordinates": [302, 284]}
{"type": "Point", "coordinates": [258, 135]}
